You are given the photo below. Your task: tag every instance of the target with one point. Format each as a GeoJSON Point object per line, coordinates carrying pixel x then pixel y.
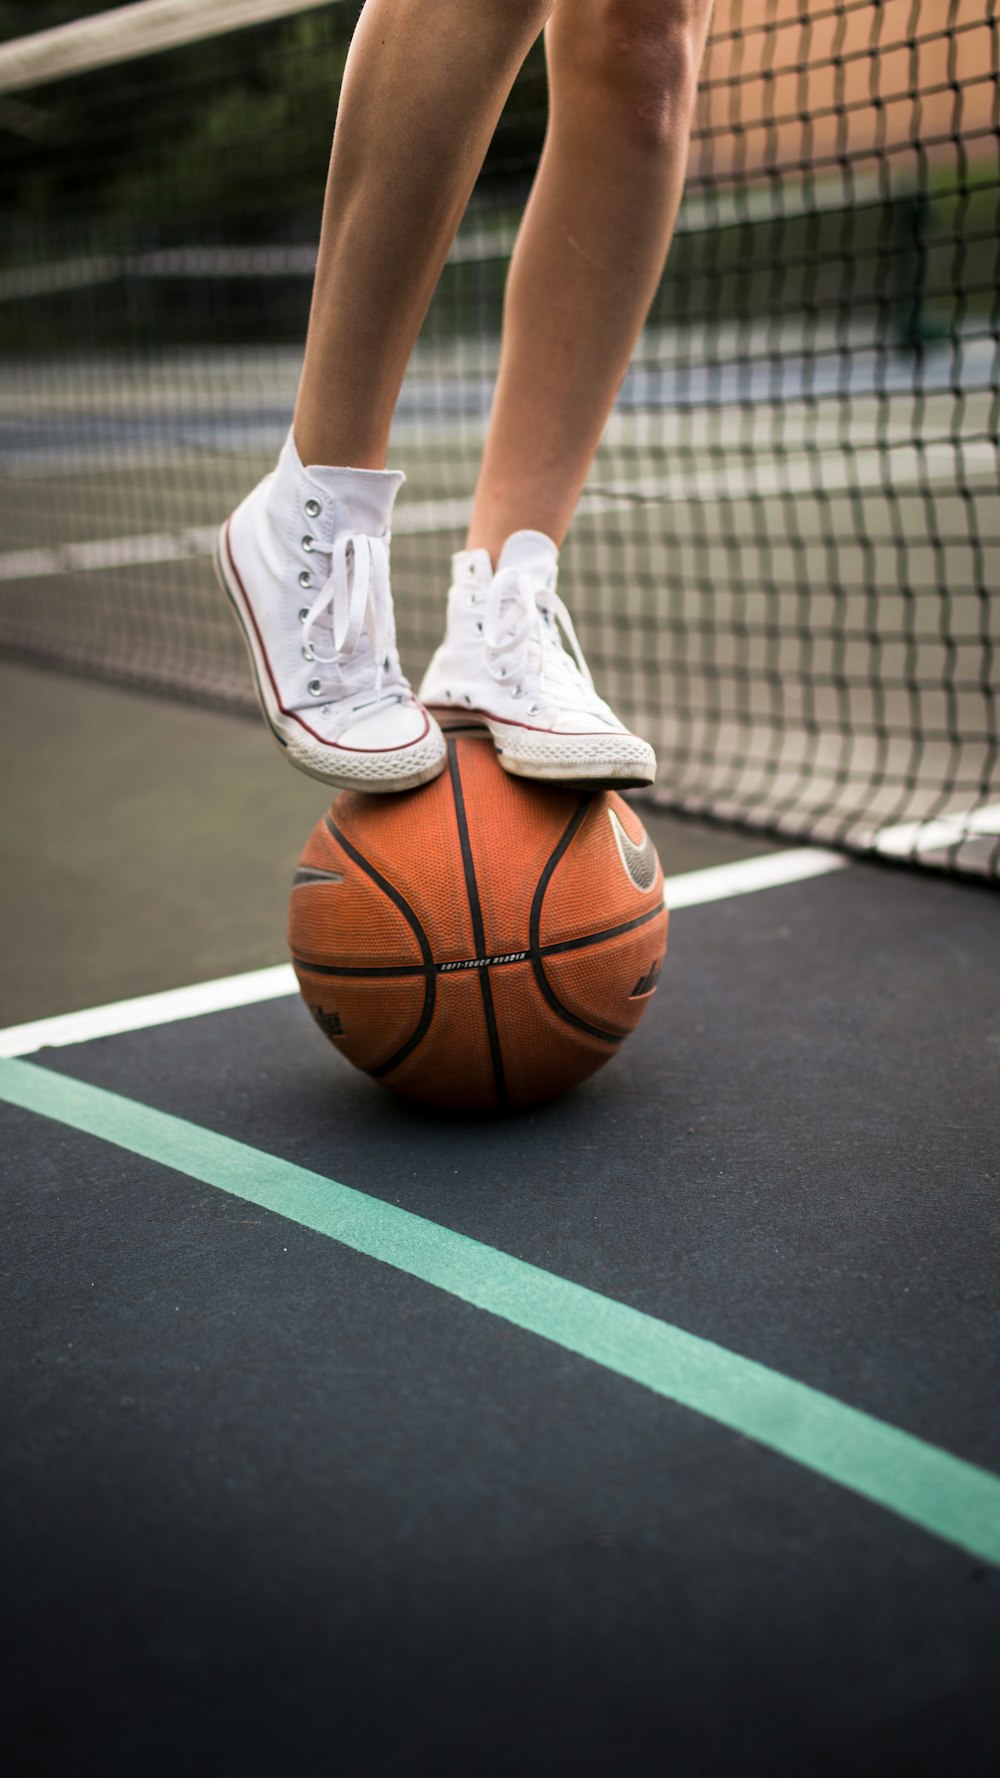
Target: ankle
{"type": "Point", "coordinates": [317, 441]}
{"type": "Point", "coordinates": [515, 547]}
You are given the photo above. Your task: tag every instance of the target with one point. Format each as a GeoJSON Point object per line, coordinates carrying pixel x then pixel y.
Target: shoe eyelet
{"type": "Point", "coordinates": [479, 628]}
{"type": "Point", "coordinates": [308, 544]}
{"type": "Point", "coordinates": [532, 709]}
{"type": "Point", "coordinates": [325, 710]}
{"type": "Point", "coordinates": [315, 687]}
{"type": "Point", "coordinates": [303, 614]}
{"type": "Point", "coordinates": [308, 652]}
{"type": "Point", "coordinates": [313, 509]}
{"type": "Point", "coordinates": [518, 691]}
{"type": "Point", "coordinates": [305, 578]}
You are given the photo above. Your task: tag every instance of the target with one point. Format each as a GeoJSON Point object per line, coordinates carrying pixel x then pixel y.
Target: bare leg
{"type": "Point", "coordinates": [590, 252]}
{"type": "Point", "coordinates": [424, 85]}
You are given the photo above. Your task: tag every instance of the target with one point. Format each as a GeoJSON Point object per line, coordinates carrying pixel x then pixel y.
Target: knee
{"type": "Point", "coordinates": [644, 55]}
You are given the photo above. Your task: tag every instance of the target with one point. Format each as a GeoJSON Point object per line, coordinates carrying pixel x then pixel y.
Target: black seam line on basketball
{"type": "Point", "coordinates": [346, 969]}
{"type": "Point", "coordinates": [499, 961]}
{"type": "Point", "coordinates": [563, 1012]}
{"type": "Point", "coordinates": [419, 934]}
{"type": "Point", "coordinates": [597, 938]}
{"type": "Point", "coordinates": [478, 930]}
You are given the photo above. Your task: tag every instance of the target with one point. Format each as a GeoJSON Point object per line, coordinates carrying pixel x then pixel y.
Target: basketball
{"type": "Point", "coordinates": [481, 943]}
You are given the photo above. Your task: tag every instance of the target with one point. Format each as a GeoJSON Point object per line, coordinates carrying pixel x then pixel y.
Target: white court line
{"type": "Point", "coordinates": [174, 546]}
{"type": "Point", "coordinates": [932, 836]}
{"type": "Point", "coordinates": [800, 473]}
{"type": "Point", "coordinates": [770, 871]}
{"type": "Point", "coordinates": [683, 891]}
{"type": "Point", "coordinates": [149, 1009]}
{"type": "Point", "coordinates": [87, 272]}
{"type": "Point", "coordinates": [133, 552]}
{"type": "Point", "coordinates": [107, 552]}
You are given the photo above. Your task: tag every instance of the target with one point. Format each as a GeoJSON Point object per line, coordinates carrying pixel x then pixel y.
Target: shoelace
{"type": "Point", "coordinates": [523, 607]}
{"type": "Point", "coordinates": [357, 599]}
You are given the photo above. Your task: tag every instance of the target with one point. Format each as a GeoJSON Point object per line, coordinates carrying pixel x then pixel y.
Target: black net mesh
{"type": "Point", "coordinates": [781, 568]}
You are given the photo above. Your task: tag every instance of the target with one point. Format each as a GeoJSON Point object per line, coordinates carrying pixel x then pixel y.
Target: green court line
{"type": "Point", "coordinates": [943, 1494]}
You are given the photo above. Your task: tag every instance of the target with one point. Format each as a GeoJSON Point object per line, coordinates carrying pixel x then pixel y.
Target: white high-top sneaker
{"type": "Point", "coordinates": [304, 561]}
{"type": "Point", "coordinates": [502, 664]}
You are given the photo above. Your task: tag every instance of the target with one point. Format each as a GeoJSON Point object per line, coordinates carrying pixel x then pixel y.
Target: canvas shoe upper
{"type": "Point", "coordinates": [511, 661]}
{"type": "Point", "coordinates": [304, 561]}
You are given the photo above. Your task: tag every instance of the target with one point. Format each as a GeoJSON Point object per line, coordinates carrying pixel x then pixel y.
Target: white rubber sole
{"type": "Point", "coordinates": [384, 773]}
{"type": "Point", "coordinates": [583, 762]}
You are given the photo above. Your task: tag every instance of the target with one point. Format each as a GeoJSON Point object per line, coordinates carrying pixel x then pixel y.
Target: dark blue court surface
{"type": "Point", "coordinates": [271, 1505]}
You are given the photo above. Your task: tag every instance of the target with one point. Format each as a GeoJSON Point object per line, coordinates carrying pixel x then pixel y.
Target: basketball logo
{"type": "Point", "coordinates": [640, 861]}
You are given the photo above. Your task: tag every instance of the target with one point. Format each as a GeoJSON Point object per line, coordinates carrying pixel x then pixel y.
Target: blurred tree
{"type": "Point", "coordinates": [224, 139]}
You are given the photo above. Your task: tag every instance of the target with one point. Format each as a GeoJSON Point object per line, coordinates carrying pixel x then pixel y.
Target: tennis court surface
{"type": "Point", "coordinates": [654, 1431]}
{"type": "Point", "coordinates": [300, 1474]}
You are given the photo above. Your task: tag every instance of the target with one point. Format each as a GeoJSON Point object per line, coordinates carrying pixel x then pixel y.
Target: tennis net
{"type": "Point", "coordinates": [782, 566]}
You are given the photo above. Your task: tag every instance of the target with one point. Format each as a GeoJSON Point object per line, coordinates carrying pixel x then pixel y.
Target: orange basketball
{"type": "Point", "coordinates": [481, 943]}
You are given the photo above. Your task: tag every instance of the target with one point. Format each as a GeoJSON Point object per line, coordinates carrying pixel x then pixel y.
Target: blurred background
{"type": "Point", "coordinates": [783, 564]}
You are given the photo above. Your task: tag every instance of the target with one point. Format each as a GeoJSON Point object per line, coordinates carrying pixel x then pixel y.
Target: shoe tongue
{"type": "Point", "coordinates": [472, 566]}
{"type": "Point", "coordinates": [530, 550]}
{"type": "Point", "coordinates": [363, 498]}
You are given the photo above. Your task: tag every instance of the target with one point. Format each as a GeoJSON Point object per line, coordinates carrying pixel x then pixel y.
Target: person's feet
{"type": "Point", "coordinates": [503, 664]}
{"type": "Point", "coordinates": [304, 561]}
